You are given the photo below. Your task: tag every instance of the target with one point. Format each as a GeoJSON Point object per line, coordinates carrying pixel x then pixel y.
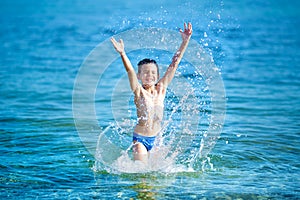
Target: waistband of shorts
{"type": "Point", "coordinates": [142, 136]}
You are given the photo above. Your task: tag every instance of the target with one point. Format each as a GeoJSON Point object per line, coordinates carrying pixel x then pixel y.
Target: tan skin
{"type": "Point", "coordinates": [150, 94]}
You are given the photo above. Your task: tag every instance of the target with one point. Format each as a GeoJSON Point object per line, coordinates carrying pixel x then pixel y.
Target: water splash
{"type": "Point", "coordinates": [113, 159]}
{"type": "Point", "coordinates": [184, 136]}
{"type": "Point", "coordinates": [172, 153]}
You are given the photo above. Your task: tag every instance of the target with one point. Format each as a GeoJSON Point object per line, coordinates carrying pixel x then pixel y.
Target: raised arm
{"type": "Point", "coordinates": [186, 35]}
{"type": "Point", "coordinates": [119, 46]}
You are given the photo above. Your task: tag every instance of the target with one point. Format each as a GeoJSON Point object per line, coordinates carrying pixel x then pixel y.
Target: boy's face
{"type": "Point", "coordinates": [148, 74]}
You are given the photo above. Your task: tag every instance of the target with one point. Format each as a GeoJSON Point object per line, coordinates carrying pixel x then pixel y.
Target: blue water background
{"type": "Point", "coordinates": [254, 43]}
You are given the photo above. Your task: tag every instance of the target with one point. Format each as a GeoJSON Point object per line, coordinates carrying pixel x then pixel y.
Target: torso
{"type": "Point", "coordinates": [150, 109]}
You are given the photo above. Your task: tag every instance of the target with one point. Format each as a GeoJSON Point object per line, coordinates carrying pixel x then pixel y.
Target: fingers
{"type": "Point", "coordinates": [117, 45]}
{"type": "Point", "coordinates": [112, 39]}
{"type": "Point", "coordinates": [190, 29]}
{"type": "Point", "coordinates": [187, 27]}
{"type": "Point", "coordinates": [180, 30]}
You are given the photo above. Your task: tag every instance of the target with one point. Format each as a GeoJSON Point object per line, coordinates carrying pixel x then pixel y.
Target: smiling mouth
{"type": "Point", "coordinates": [149, 80]}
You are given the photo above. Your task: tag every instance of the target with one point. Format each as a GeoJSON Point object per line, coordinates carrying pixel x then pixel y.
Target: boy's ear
{"type": "Point", "coordinates": [138, 76]}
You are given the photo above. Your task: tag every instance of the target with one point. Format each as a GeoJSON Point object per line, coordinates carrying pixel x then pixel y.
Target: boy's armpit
{"type": "Point", "coordinates": [137, 90]}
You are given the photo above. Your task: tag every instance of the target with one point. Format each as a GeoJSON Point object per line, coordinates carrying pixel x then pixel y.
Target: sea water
{"type": "Point", "coordinates": [255, 45]}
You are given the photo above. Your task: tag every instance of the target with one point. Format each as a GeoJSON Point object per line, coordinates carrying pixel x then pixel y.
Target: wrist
{"type": "Point", "coordinates": [186, 39]}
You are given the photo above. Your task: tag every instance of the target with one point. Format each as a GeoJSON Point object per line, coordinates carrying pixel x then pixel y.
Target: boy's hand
{"type": "Point", "coordinates": [119, 46]}
{"type": "Point", "coordinates": [186, 34]}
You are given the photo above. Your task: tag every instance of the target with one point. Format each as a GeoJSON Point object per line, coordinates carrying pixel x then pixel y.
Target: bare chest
{"type": "Point", "coordinates": [150, 105]}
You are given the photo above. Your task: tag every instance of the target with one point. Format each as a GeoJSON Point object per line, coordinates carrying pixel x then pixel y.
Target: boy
{"type": "Point", "coordinates": [149, 95]}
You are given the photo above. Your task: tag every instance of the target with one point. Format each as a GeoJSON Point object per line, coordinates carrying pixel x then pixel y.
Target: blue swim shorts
{"type": "Point", "coordinates": [148, 142]}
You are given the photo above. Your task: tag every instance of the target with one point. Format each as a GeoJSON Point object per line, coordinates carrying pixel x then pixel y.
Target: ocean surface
{"type": "Point", "coordinates": [254, 44]}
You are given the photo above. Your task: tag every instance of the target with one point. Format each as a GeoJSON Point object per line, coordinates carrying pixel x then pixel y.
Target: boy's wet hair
{"type": "Point", "coordinates": [147, 61]}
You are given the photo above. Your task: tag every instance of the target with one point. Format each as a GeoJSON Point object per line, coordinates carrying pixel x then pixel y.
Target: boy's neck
{"type": "Point", "coordinates": [148, 88]}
